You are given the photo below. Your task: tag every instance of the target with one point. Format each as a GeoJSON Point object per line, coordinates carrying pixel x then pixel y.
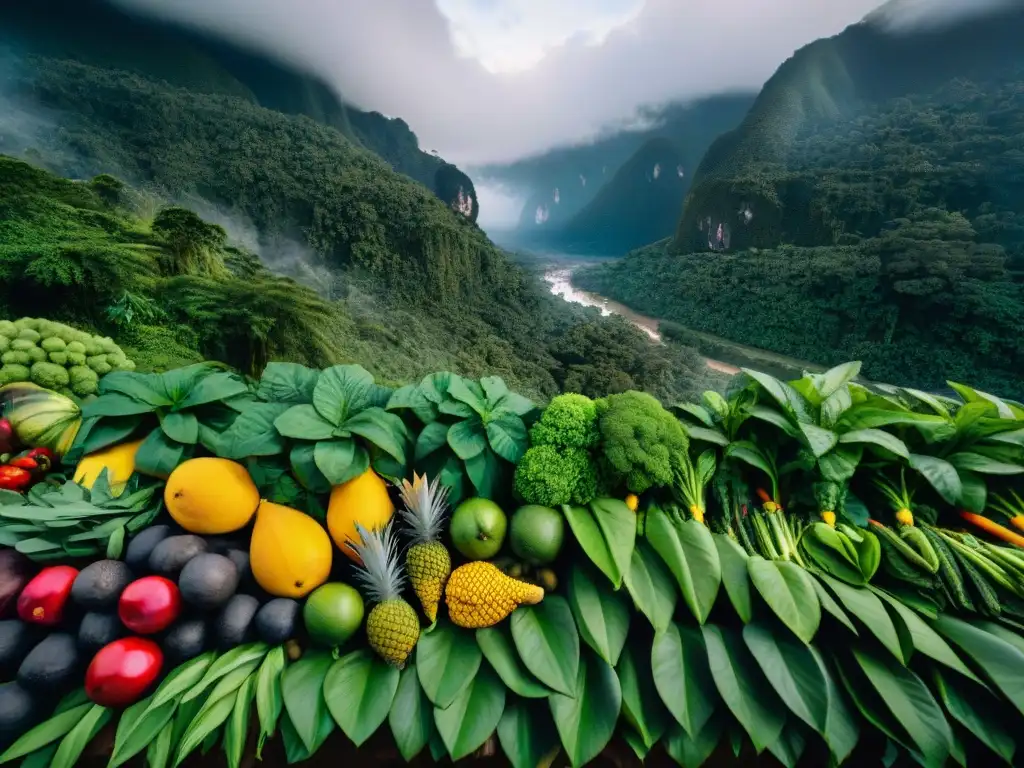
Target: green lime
{"type": "Point", "coordinates": [537, 534]}
{"type": "Point", "coordinates": [478, 528]}
{"type": "Point", "coordinates": [332, 613]}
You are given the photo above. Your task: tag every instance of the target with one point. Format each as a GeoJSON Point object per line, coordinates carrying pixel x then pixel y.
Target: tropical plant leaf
{"type": "Point", "coordinates": [789, 591]}
{"type": "Point", "coordinates": [359, 689]}
{"type": "Point", "coordinates": [651, 585]}
{"type": "Point", "coordinates": [735, 577]}
{"type": "Point", "coordinates": [473, 716]}
{"type": "Point", "coordinates": [78, 738]}
{"type": "Point", "coordinates": [689, 551]}
{"type": "Point", "coordinates": [411, 717]}
{"type": "Point", "coordinates": [499, 649]}
{"type": "Point", "coordinates": [641, 704]}
{"type": "Point", "coordinates": [869, 610]}
{"type": "Point", "coordinates": [793, 672]}
{"type": "Point", "coordinates": [547, 642]}
{"type": "Point", "coordinates": [446, 661]}
{"type": "Point", "coordinates": [977, 710]}
{"type": "Point", "coordinates": [693, 752]}
{"type": "Point", "coordinates": [682, 676]}
{"type": "Point", "coordinates": [940, 474]}
{"type": "Point", "coordinates": [606, 531]}
{"type": "Point", "coordinates": [602, 615]}
{"type": "Point", "coordinates": [527, 734]}
{"type": "Point", "coordinates": [586, 719]}
{"type": "Point", "coordinates": [1001, 662]}
{"type": "Point", "coordinates": [302, 691]}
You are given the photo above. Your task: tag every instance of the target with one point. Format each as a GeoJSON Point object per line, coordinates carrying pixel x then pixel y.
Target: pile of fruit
{"type": "Point", "coordinates": [816, 569]}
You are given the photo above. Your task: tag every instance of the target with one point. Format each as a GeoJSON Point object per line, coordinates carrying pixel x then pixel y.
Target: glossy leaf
{"type": "Point", "coordinates": [940, 474]}
{"type": "Point", "coordinates": [359, 689]}
{"type": "Point", "coordinates": [447, 658]}
{"type": "Point", "coordinates": [878, 437]}
{"type": "Point", "coordinates": [977, 710]}
{"type": "Point", "coordinates": [1001, 662]}
{"type": "Point", "coordinates": [411, 717]}
{"type": "Point", "coordinates": [237, 727]}
{"type": "Point", "coordinates": [641, 704]}
{"type": "Point", "coordinates": [842, 727]}
{"type": "Point", "coordinates": [433, 437]}
{"type": "Point", "coordinates": [602, 615]}
{"type": "Point", "coordinates": [682, 676]}
{"type": "Point", "coordinates": [527, 734]}
{"type": "Point", "coordinates": [793, 672]}
{"type": "Point", "coordinates": [499, 649]}
{"type": "Point", "coordinates": [47, 732]}
{"type": "Point", "coordinates": [789, 591]}
{"type": "Point", "coordinates": [870, 611]}
{"type": "Point", "coordinates": [78, 738]}
{"type": "Point", "coordinates": [689, 551]}
{"type": "Point", "coordinates": [735, 577]}
{"type": "Point", "coordinates": [269, 701]}
{"type": "Point", "coordinates": [606, 531]}
{"type": "Point", "coordinates": [473, 716]}
{"type": "Point", "coordinates": [547, 642]}
{"type": "Point", "coordinates": [302, 691]}
{"type": "Point", "coordinates": [651, 585]}
{"type": "Point", "coordinates": [831, 607]}
{"type": "Point", "coordinates": [586, 719]}
{"type": "Point", "coordinates": [743, 686]}
{"type": "Point", "coordinates": [693, 752]}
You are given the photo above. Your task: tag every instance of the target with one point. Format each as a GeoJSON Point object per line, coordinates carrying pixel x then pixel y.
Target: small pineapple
{"type": "Point", "coordinates": [392, 628]}
{"type": "Point", "coordinates": [480, 595]}
{"type": "Point", "coordinates": [427, 560]}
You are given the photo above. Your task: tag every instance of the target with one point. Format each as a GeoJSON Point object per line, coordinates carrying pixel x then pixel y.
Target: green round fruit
{"type": "Point", "coordinates": [537, 534]}
{"type": "Point", "coordinates": [333, 613]}
{"type": "Point", "coordinates": [478, 528]}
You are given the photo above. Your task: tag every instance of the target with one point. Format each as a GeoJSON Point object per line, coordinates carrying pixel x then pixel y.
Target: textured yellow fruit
{"type": "Point", "coordinates": [392, 629]}
{"type": "Point", "coordinates": [829, 518]}
{"type": "Point", "coordinates": [290, 553]}
{"type": "Point", "coordinates": [118, 460]}
{"type": "Point", "coordinates": [905, 517]}
{"type": "Point", "coordinates": [362, 500]}
{"type": "Point", "coordinates": [480, 595]}
{"type": "Point", "coordinates": [429, 565]}
{"type": "Point", "coordinates": [211, 496]}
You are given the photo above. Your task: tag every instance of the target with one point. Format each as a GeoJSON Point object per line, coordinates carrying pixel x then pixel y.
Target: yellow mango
{"type": "Point", "coordinates": [290, 553]}
{"type": "Point", "coordinates": [118, 460]}
{"type": "Point", "coordinates": [211, 496]}
{"type": "Point", "coordinates": [362, 500]}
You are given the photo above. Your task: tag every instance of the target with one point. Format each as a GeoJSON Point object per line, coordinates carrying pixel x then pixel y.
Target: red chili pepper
{"type": "Point", "coordinates": [44, 457]}
{"type": "Point", "coordinates": [14, 478]}
{"type": "Point", "coordinates": [25, 462]}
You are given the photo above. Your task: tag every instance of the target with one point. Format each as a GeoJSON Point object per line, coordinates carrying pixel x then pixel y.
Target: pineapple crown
{"type": "Point", "coordinates": [381, 574]}
{"type": "Point", "coordinates": [425, 504]}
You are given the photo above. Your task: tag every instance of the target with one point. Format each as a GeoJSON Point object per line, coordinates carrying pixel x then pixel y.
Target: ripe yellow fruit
{"type": "Point", "coordinates": [480, 595]}
{"type": "Point", "coordinates": [118, 460]}
{"type": "Point", "coordinates": [393, 629]}
{"type": "Point", "coordinates": [362, 500]}
{"type": "Point", "coordinates": [632, 501]}
{"type": "Point", "coordinates": [290, 553]}
{"type": "Point", "coordinates": [211, 496]}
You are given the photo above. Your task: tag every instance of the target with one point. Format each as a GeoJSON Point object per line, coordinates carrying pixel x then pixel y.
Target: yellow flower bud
{"type": "Point", "coordinates": [771, 506]}
{"type": "Point", "coordinates": [632, 501]}
{"type": "Point", "coordinates": [829, 517]}
{"type": "Point", "coordinates": [697, 512]}
{"type": "Point", "coordinates": [905, 517]}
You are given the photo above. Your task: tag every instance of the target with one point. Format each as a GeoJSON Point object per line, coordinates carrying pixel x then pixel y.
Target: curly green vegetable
{"type": "Point", "coordinates": [641, 442]}
{"type": "Point", "coordinates": [550, 476]}
{"type": "Point", "coordinates": [569, 421]}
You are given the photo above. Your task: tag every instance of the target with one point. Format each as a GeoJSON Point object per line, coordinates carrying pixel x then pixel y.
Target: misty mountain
{"type": "Point", "coordinates": [579, 173]}
{"type": "Point", "coordinates": [95, 33]}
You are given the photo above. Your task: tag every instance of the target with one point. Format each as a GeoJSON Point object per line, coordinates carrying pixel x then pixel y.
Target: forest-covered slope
{"type": "Point", "coordinates": [901, 231]}
{"type": "Point", "coordinates": [95, 33]}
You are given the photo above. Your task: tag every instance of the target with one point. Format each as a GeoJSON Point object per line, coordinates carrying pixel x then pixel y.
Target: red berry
{"type": "Point", "coordinates": [122, 671]}
{"type": "Point", "coordinates": [149, 605]}
{"type": "Point", "coordinates": [43, 599]}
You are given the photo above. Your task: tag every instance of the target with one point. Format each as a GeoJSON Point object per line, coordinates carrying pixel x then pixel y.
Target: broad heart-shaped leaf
{"type": "Point", "coordinates": [910, 702]}
{"type": "Point", "coordinates": [253, 432]}
{"type": "Point", "coordinates": [359, 690]}
{"type": "Point", "coordinates": [689, 751]}
{"type": "Point", "coordinates": [925, 639]}
{"type": "Point", "coordinates": [507, 435]}
{"type": "Point", "coordinates": [467, 438]}
{"type": "Point", "coordinates": [500, 651]}
{"type": "Point", "coordinates": [650, 584]}
{"type": "Point", "coordinates": [412, 397]}
{"type": "Point", "coordinates": [526, 733]}
{"type": "Point", "coordinates": [302, 691]}
{"type": "Point", "coordinates": [340, 460]}
{"type": "Point", "coordinates": [485, 473]}
{"type": "Point", "coordinates": [641, 704]}
{"type": "Point", "coordinates": [1001, 662]}
{"type": "Point", "coordinates": [819, 440]}
{"type": "Point", "coordinates": [411, 717]}
{"type": "Point", "coordinates": [515, 403]}
{"type": "Point", "coordinates": [682, 677]}
{"type": "Point", "coordinates": [468, 392]}
{"type": "Point", "coordinates": [385, 430]}
{"type": "Point", "coordinates": [547, 642]}
{"type": "Point", "coordinates": [341, 392]}
{"type": "Point", "coordinates": [302, 422]}
{"type": "Point", "coordinates": [586, 720]}
{"type": "Point", "coordinates": [287, 383]}
{"type": "Point", "coordinates": [789, 592]}
{"type": "Point", "coordinates": [940, 474]}
{"type": "Point", "coordinates": [181, 427]}
{"type": "Point", "coordinates": [473, 715]}
{"type": "Point", "coordinates": [689, 551]}
{"type": "Point", "coordinates": [446, 660]}
{"type": "Point", "coordinates": [734, 575]}
{"type": "Point", "coordinates": [977, 710]}
{"type": "Point", "coordinates": [863, 604]}
{"type": "Point", "coordinates": [606, 531]}
{"type": "Point", "coordinates": [743, 686]}
{"type": "Point", "coordinates": [602, 615]}
{"type": "Point", "coordinates": [159, 455]}
{"type": "Point", "coordinates": [794, 673]}
{"type": "Point", "coordinates": [302, 458]}
{"type": "Point", "coordinates": [433, 437]}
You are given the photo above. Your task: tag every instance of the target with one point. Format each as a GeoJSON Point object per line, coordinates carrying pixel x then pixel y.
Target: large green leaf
{"type": "Point", "coordinates": [602, 615]}
{"type": "Point", "coordinates": [977, 710]}
{"type": "Point", "coordinates": [819, 440]}
{"type": "Point", "coordinates": [869, 610]}
{"type": "Point", "coordinates": [473, 716]}
{"type": "Point", "coordinates": [791, 400]}
{"type": "Point", "coordinates": [693, 752]}
{"type": "Point", "coordinates": [159, 455]}
{"type": "Point", "coordinates": [743, 686]}
{"type": "Point", "coordinates": [877, 437]}
{"type": "Point", "coordinates": [411, 717]}
{"type": "Point", "coordinates": [341, 392]}
{"type": "Point", "coordinates": [467, 438]}
{"type": "Point", "coordinates": [1001, 662]}
{"type": "Point", "coordinates": [46, 732]}
{"type": "Point", "coordinates": [940, 474]}
{"type": "Point", "coordinates": [433, 437]}
{"type": "Point", "coordinates": [910, 702]}
{"type": "Point", "coordinates": [606, 531]}
{"type": "Point", "coordinates": [586, 719]}
{"type": "Point", "coordinates": [831, 607]}
{"type": "Point", "coordinates": [842, 728]}
{"type": "Point", "coordinates": [547, 642]}
{"type": "Point", "coordinates": [641, 705]}
{"type": "Point", "coordinates": [359, 690]}
{"type": "Point", "coordinates": [682, 677]}
{"type": "Point", "coordinates": [734, 575]}
{"type": "Point", "coordinates": [500, 651]}
{"type": "Point", "coordinates": [287, 383]}
{"type": "Point", "coordinates": [527, 734]}
{"type": "Point", "coordinates": [689, 551]}
{"type": "Point", "coordinates": [447, 658]}
{"type": "Point", "coordinates": [507, 436]}
{"type": "Point", "coordinates": [794, 673]}
{"type": "Point", "coordinates": [302, 691]}
{"type": "Point", "coordinates": [302, 422]}
{"type": "Point", "coordinates": [382, 429]}
{"type": "Point", "coordinates": [789, 591]}
{"type": "Point", "coordinates": [650, 584]}
{"type": "Point", "coordinates": [975, 462]}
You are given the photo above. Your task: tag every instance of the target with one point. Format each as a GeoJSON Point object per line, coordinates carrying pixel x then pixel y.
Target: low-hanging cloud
{"type": "Point", "coordinates": [398, 57]}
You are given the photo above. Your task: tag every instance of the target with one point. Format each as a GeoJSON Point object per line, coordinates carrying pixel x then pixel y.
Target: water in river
{"type": "Point", "coordinates": [560, 280]}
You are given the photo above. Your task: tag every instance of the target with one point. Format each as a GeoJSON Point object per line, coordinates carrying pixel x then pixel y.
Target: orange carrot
{"type": "Point", "coordinates": [763, 495]}
{"type": "Point", "coordinates": [1001, 532]}
{"type": "Point", "coordinates": [1018, 522]}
